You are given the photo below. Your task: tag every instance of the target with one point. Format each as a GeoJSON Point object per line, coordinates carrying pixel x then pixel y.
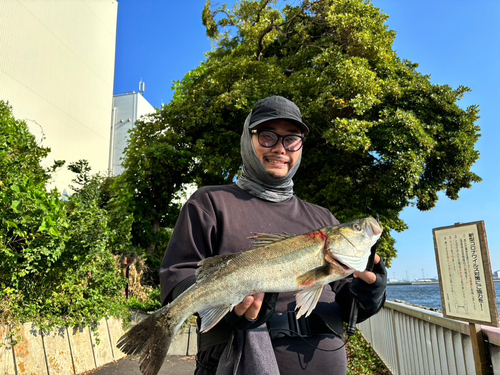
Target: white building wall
{"type": "Point", "coordinates": [127, 109]}
{"type": "Point", "coordinates": [57, 62]}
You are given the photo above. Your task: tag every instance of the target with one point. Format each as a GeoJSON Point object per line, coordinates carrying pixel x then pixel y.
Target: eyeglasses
{"type": "Point", "coordinates": [269, 139]}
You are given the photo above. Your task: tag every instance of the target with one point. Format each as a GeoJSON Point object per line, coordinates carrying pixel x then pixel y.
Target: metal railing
{"type": "Point", "coordinates": [412, 340]}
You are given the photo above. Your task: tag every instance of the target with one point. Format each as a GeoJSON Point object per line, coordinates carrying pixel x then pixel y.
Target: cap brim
{"type": "Point", "coordinates": [301, 125]}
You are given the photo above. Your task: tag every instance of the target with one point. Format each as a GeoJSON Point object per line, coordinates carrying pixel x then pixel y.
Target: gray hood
{"type": "Point", "coordinates": [256, 180]}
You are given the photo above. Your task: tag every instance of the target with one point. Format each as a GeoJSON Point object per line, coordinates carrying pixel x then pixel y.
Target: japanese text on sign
{"type": "Point", "coordinates": [463, 283]}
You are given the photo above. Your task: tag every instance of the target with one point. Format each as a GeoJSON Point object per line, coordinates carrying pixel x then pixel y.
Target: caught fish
{"type": "Point", "coordinates": [277, 263]}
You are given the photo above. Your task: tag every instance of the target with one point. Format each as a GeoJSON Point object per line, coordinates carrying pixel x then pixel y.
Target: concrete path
{"type": "Point", "coordinates": [173, 365]}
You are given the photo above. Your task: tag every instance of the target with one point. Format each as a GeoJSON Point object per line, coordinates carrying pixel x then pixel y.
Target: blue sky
{"type": "Point", "coordinates": [456, 42]}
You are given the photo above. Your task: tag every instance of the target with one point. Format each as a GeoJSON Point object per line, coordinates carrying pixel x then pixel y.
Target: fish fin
{"type": "Point", "coordinates": [151, 338]}
{"type": "Point", "coordinates": [313, 276]}
{"type": "Point", "coordinates": [264, 239]}
{"type": "Point", "coordinates": [210, 317]}
{"type": "Point", "coordinates": [307, 300]}
{"type": "Point", "coordinates": [308, 297]}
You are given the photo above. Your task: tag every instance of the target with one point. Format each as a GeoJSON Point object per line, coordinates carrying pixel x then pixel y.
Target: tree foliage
{"type": "Point", "coordinates": [383, 137]}
{"type": "Point", "coordinates": [148, 190]}
{"type": "Point", "coordinates": [56, 261]}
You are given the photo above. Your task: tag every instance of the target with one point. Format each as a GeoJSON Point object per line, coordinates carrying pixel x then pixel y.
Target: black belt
{"type": "Point", "coordinates": [287, 325]}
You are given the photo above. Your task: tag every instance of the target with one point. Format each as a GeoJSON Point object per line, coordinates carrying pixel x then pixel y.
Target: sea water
{"type": "Point", "coordinates": [424, 295]}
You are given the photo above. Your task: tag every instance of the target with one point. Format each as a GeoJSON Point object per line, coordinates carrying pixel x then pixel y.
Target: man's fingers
{"type": "Point", "coordinates": [253, 311]}
{"type": "Point", "coordinates": [250, 306]}
{"type": "Point", "coordinates": [367, 276]}
{"type": "Point", "coordinates": [242, 308]}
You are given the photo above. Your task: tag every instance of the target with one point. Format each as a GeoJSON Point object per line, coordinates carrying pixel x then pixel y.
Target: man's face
{"type": "Point", "coordinates": [276, 160]}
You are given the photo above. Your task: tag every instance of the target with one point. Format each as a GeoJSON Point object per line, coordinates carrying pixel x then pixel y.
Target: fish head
{"type": "Point", "coordinates": [348, 245]}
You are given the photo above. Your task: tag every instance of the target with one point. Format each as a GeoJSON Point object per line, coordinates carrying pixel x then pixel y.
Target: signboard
{"type": "Point", "coordinates": [463, 260]}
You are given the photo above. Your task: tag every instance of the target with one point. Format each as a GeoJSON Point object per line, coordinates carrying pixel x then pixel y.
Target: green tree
{"type": "Point", "coordinates": [86, 283]}
{"type": "Point", "coordinates": [140, 193]}
{"type": "Point", "coordinates": [383, 137]}
{"type": "Point", "coordinates": [33, 222]}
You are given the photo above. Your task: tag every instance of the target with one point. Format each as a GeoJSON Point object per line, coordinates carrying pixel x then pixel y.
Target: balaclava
{"type": "Point", "coordinates": [254, 178]}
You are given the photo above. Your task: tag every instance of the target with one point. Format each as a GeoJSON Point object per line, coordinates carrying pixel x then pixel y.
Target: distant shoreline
{"type": "Point", "coordinates": [423, 282]}
{"type": "Point", "coordinates": [414, 283]}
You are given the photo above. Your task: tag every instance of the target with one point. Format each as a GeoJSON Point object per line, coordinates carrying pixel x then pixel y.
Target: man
{"type": "Point", "coordinates": [261, 334]}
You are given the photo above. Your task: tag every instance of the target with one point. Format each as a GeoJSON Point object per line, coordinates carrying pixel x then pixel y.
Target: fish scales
{"type": "Point", "coordinates": [280, 263]}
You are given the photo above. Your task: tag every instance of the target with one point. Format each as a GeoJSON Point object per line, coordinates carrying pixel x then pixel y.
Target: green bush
{"type": "Point", "coordinates": [362, 359]}
{"type": "Point", "coordinates": [152, 303]}
{"type": "Point", "coordinates": [56, 262]}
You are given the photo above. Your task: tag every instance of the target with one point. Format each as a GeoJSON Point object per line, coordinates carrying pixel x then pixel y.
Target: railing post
{"type": "Point", "coordinates": [394, 328]}
{"type": "Point", "coordinates": [479, 350]}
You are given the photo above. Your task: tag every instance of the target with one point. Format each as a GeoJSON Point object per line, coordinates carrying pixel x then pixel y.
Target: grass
{"type": "Point", "coordinates": [362, 359]}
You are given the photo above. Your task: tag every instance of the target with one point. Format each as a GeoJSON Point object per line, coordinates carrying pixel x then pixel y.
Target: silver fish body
{"type": "Point", "coordinates": [278, 263]}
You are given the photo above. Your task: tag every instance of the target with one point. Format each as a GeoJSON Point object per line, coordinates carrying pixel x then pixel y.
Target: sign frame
{"type": "Point", "coordinates": [483, 267]}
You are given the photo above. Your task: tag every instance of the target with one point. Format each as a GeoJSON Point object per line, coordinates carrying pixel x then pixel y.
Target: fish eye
{"type": "Point", "coordinates": [357, 227]}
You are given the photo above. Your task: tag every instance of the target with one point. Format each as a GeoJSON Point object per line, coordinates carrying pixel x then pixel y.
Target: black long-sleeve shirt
{"type": "Point", "coordinates": [219, 220]}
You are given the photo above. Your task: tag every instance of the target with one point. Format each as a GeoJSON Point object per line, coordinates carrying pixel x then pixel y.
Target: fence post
{"type": "Point", "coordinates": [479, 350]}
{"type": "Point", "coordinates": [394, 328]}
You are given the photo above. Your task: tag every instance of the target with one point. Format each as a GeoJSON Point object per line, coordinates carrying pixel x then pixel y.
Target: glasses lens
{"type": "Point", "coordinates": [292, 143]}
{"type": "Point", "coordinates": [268, 139]}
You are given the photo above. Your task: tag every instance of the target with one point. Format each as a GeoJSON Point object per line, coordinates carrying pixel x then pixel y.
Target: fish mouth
{"type": "Point", "coordinates": [373, 230]}
{"type": "Point", "coordinates": [352, 263]}
{"type": "Point", "coordinates": [343, 265]}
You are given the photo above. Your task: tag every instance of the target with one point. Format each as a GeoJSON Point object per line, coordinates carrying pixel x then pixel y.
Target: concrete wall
{"type": "Point", "coordinates": [127, 109]}
{"type": "Point", "coordinates": [57, 62]}
{"type": "Point", "coordinates": [72, 351]}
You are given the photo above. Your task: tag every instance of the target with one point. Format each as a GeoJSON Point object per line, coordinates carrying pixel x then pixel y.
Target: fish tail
{"type": "Point", "coordinates": [152, 338]}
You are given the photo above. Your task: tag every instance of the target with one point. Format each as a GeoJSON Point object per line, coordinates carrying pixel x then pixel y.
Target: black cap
{"type": "Point", "coordinates": [277, 108]}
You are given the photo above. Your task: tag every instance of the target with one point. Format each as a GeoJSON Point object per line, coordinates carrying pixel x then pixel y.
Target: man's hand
{"type": "Point", "coordinates": [369, 287]}
{"type": "Point", "coordinates": [368, 276]}
{"type": "Point", "coordinates": [250, 306]}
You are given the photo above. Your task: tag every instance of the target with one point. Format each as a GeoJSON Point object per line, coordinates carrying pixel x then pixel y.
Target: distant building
{"type": "Point", "coordinates": [496, 274]}
{"type": "Point", "coordinates": [127, 109]}
{"type": "Point", "coordinates": [57, 62]}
